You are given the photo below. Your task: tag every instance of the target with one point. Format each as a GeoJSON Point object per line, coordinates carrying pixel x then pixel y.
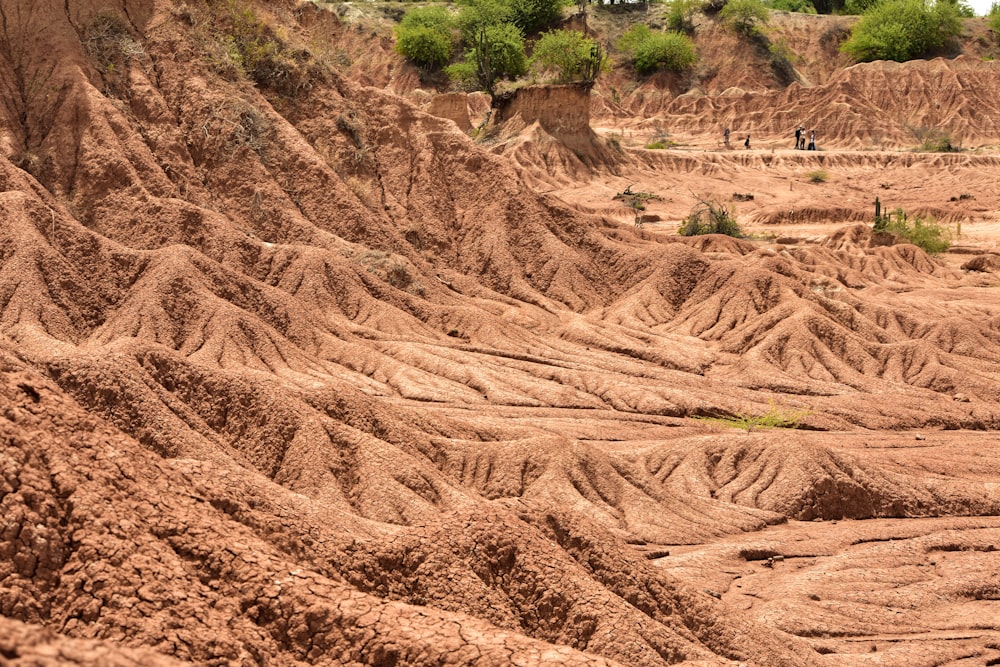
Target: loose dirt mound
{"type": "Point", "coordinates": [291, 370]}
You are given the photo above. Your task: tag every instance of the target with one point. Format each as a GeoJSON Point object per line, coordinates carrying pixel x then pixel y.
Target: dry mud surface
{"type": "Point", "coordinates": [293, 372]}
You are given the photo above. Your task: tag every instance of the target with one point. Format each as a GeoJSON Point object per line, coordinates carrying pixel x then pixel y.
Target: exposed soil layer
{"type": "Point", "coordinates": [292, 371]}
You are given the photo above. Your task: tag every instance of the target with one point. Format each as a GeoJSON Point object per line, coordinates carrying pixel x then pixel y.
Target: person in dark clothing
{"type": "Point", "coordinates": [798, 136]}
{"type": "Point", "coordinates": [725, 137]}
{"type": "Point", "coordinates": [746, 144]}
{"type": "Point", "coordinates": [812, 140]}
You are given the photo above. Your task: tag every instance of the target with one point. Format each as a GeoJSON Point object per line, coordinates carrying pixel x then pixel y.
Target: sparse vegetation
{"type": "Point", "coordinates": [569, 55]}
{"type": "Point", "coordinates": [636, 201]}
{"type": "Point", "coordinates": [935, 141]}
{"type": "Point", "coordinates": [925, 234]}
{"type": "Point", "coordinates": [710, 217]}
{"type": "Point", "coordinates": [993, 19]}
{"type": "Point", "coordinates": [774, 417]}
{"type": "Point", "coordinates": [901, 30]}
{"type": "Point", "coordinates": [251, 46]}
{"type": "Point", "coordinates": [746, 17]}
{"type": "Point", "coordinates": [818, 176]}
{"type": "Point", "coordinates": [680, 16]}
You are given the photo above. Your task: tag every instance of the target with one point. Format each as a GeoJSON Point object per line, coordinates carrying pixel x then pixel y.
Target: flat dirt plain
{"type": "Point", "coordinates": [293, 371]}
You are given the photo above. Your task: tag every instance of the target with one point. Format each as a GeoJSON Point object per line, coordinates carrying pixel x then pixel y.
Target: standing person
{"type": "Point", "coordinates": [798, 136]}
{"type": "Point", "coordinates": [746, 144]}
{"type": "Point", "coordinates": [725, 137]}
{"type": "Point", "coordinates": [812, 140]}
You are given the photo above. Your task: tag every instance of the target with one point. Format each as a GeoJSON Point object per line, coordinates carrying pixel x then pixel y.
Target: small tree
{"type": "Point", "coordinates": [636, 201]}
{"type": "Point", "coordinates": [994, 19]}
{"type": "Point", "coordinates": [497, 53]}
{"type": "Point", "coordinates": [901, 30]}
{"type": "Point", "coordinates": [745, 16]}
{"type": "Point", "coordinates": [569, 55]}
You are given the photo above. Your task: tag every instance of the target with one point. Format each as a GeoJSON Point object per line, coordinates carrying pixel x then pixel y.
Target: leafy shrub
{"type": "Point", "coordinates": [479, 14]}
{"type": "Point", "coordinates": [535, 15]}
{"type": "Point", "coordinates": [667, 50]}
{"type": "Point", "coordinates": [629, 41]}
{"type": "Point", "coordinates": [656, 145]}
{"type": "Point", "coordinates": [800, 6]}
{"type": "Point", "coordinates": [425, 36]}
{"type": "Point", "coordinates": [680, 16]}
{"type": "Point", "coordinates": [745, 16]}
{"type": "Point", "coordinates": [926, 234]}
{"type": "Point", "coordinates": [994, 19]}
{"type": "Point", "coordinates": [570, 55]}
{"type": "Point", "coordinates": [901, 30]}
{"type": "Point", "coordinates": [463, 75]}
{"type": "Point", "coordinates": [710, 217]}
{"type": "Point", "coordinates": [818, 176]}
{"type": "Point", "coordinates": [936, 141]}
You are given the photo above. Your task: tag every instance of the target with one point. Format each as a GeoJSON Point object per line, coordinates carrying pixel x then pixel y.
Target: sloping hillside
{"type": "Point", "coordinates": [294, 372]}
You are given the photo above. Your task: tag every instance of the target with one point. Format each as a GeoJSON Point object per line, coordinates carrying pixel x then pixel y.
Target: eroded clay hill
{"type": "Point", "coordinates": [292, 372]}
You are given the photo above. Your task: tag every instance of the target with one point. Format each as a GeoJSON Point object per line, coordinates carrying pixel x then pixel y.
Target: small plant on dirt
{"type": "Point", "coordinates": [614, 140]}
{"type": "Point", "coordinates": [656, 145]}
{"type": "Point", "coordinates": [745, 17]}
{"type": "Point", "coordinates": [935, 141]}
{"type": "Point", "coordinates": [680, 16]}
{"type": "Point", "coordinates": [818, 176]}
{"type": "Point", "coordinates": [994, 19]}
{"type": "Point", "coordinates": [636, 201]}
{"type": "Point", "coordinates": [710, 217]}
{"type": "Point", "coordinates": [774, 417]}
{"type": "Point", "coordinates": [927, 234]}
{"type": "Point", "coordinates": [251, 46]}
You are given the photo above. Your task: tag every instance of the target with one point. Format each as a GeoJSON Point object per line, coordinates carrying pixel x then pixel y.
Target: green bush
{"type": "Point", "coordinates": [533, 16]}
{"type": "Point", "coordinates": [569, 55]}
{"type": "Point", "coordinates": [628, 42]}
{"type": "Point", "coordinates": [426, 47]}
{"type": "Point", "coordinates": [994, 19]}
{"type": "Point", "coordinates": [926, 234]}
{"type": "Point", "coordinates": [710, 217]}
{"type": "Point", "coordinates": [901, 30]}
{"type": "Point", "coordinates": [800, 6]}
{"type": "Point", "coordinates": [818, 176]}
{"type": "Point", "coordinates": [463, 75]}
{"type": "Point", "coordinates": [680, 16]}
{"type": "Point", "coordinates": [665, 50]}
{"type": "Point", "coordinates": [426, 37]}
{"type": "Point", "coordinates": [745, 16]}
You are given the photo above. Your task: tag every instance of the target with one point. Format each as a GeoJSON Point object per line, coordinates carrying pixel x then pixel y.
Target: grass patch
{"type": "Point", "coordinates": [818, 176]}
{"type": "Point", "coordinates": [661, 144]}
{"type": "Point", "coordinates": [926, 234]}
{"type": "Point", "coordinates": [774, 417]}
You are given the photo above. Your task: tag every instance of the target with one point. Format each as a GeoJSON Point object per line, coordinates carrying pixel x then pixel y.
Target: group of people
{"type": "Point", "coordinates": [800, 139]}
